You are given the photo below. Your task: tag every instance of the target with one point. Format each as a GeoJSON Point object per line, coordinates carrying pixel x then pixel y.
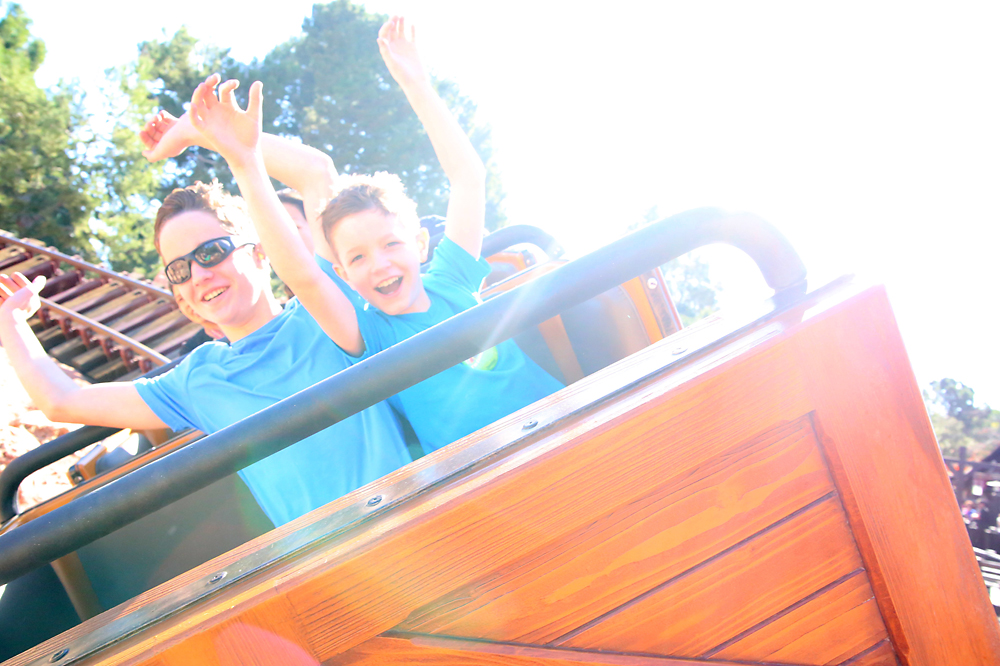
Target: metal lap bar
{"type": "Point", "coordinates": [382, 375]}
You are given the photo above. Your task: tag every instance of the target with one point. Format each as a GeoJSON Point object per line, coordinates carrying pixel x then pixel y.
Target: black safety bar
{"type": "Point", "coordinates": [153, 486]}
{"type": "Point", "coordinates": [504, 237]}
{"type": "Point", "coordinates": [515, 234]}
{"type": "Point", "coordinates": [66, 445]}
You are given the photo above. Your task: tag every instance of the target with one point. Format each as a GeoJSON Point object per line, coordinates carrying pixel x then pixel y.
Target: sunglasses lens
{"type": "Point", "coordinates": [178, 271]}
{"type": "Point", "coordinates": [213, 252]}
{"type": "Point", "coordinates": [207, 254]}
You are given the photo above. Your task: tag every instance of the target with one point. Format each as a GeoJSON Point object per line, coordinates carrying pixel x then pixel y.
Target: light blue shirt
{"type": "Point", "coordinates": [219, 384]}
{"type": "Point", "coordinates": [463, 398]}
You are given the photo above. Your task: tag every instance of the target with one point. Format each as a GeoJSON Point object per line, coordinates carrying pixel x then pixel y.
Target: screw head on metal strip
{"type": "Point", "coordinates": [652, 283]}
{"type": "Point", "coordinates": [217, 577]}
{"type": "Point", "coordinates": [58, 655]}
{"type": "Point", "coordinates": [677, 351]}
{"type": "Point", "coordinates": [375, 500]}
{"type": "Point", "coordinates": [529, 425]}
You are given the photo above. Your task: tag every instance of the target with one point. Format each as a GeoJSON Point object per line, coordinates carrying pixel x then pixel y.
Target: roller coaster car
{"type": "Point", "coordinates": [762, 488]}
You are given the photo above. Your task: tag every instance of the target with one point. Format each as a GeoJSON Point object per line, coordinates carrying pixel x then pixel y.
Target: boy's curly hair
{"type": "Point", "coordinates": [212, 198]}
{"type": "Point", "coordinates": [357, 193]}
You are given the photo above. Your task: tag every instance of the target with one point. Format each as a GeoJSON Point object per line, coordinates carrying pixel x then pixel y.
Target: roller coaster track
{"type": "Point", "coordinates": [106, 325]}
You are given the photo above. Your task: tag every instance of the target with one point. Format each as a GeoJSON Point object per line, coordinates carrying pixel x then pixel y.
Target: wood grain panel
{"type": "Point", "coordinates": [827, 629]}
{"type": "Point", "coordinates": [880, 655]}
{"type": "Point", "coordinates": [730, 594]}
{"type": "Point", "coordinates": [486, 524]}
{"type": "Point", "coordinates": [697, 514]}
{"type": "Point", "coordinates": [888, 468]}
{"type": "Point", "coordinates": [418, 649]}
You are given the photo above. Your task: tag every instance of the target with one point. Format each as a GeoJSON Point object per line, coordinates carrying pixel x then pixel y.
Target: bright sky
{"type": "Point", "coordinates": [867, 132]}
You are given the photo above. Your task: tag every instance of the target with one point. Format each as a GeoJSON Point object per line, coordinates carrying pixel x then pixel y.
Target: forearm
{"type": "Point", "coordinates": [46, 383]}
{"type": "Point", "coordinates": [459, 160]}
{"type": "Point", "coordinates": [284, 248]}
{"type": "Point", "coordinates": [462, 165]}
{"type": "Point", "coordinates": [115, 405]}
{"type": "Point", "coordinates": [303, 168]}
{"type": "Point", "coordinates": [290, 259]}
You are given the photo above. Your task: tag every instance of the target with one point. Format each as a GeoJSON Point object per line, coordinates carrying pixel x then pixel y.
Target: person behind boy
{"type": "Point", "coordinates": [215, 264]}
{"type": "Point", "coordinates": [373, 231]}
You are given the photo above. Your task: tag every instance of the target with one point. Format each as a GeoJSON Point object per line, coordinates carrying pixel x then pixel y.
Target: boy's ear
{"type": "Point", "coordinates": [423, 243]}
{"type": "Point", "coordinates": [341, 273]}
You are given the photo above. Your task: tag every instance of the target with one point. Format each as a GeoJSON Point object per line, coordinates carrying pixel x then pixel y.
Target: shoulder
{"type": "Point", "coordinates": [452, 264]}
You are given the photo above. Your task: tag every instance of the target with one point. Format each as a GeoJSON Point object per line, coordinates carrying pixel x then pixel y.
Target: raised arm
{"type": "Point", "coordinates": [462, 165]}
{"type": "Point", "coordinates": [114, 404]}
{"type": "Point", "coordinates": [305, 169]}
{"type": "Point", "coordinates": [236, 136]}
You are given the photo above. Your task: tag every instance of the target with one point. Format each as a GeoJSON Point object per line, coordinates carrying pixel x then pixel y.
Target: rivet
{"type": "Point", "coordinates": [375, 500]}
{"type": "Point", "coordinates": [652, 283]}
{"type": "Point", "coordinates": [217, 577]}
{"type": "Point", "coordinates": [678, 350]}
{"type": "Point", "coordinates": [529, 425]}
{"type": "Point", "coordinates": [59, 655]}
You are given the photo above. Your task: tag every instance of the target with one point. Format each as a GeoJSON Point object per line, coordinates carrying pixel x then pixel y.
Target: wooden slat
{"type": "Point", "coordinates": [878, 438]}
{"type": "Point", "coordinates": [728, 595]}
{"type": "Point", "coordinates": [828, 629]}
{"type": "Point", "coordinates": [417, 649]}
{"type": "Point", "coordinates": [880, 655]}
{"type": "Point", "coordinates": [696, 513]}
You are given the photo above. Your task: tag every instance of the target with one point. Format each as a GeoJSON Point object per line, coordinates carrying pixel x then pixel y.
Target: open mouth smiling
{"type": "Point", "coordinates": [387, 287]}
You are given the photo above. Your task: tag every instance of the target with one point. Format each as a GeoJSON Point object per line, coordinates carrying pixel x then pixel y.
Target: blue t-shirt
{"type": "Point", "coordinates": [219, 384]}
{"type": "Point", "coordinates": [470, 395]}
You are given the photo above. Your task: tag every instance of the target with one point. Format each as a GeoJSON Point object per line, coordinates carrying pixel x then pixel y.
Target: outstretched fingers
{"type": "Point", "coordinates": [256, 101]}
{"type": "Point", "coordinates": [227, 93]}
{"type": "Point", "coordinates": [203, 100]}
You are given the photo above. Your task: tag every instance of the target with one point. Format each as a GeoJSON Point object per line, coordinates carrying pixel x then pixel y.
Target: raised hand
{"type": "Point", "coordinates": [166, 136]}
{"type": "Point", "coordinates": [18, 296]}
{"type": "Point", "coordinates": [233, 132]}
{"type": "Point", "coordinates": [397, 42]}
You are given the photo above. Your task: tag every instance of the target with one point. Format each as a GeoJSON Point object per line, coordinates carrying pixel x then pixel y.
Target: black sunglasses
{"type": "Point", "coordinates": [208, 254]}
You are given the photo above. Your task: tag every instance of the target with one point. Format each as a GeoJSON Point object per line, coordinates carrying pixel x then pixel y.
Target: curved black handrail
{"type": "Point", "coordinates": [49, 452]}
{"type": "Point", "coordinates": [87, 518]}
{"type": "Point", "coordinates": [515, 234]}
{"type": "Point", "coordinates": [37, 458]}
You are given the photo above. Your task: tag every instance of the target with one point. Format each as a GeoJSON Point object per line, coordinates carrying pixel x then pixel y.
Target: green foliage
{"type": "Point", "coordinates": [128, 183]}
{"type": "Point", "coordinates": [688, 281]}
{"type": "Point", "coordinates": [171, 70]}
{"type": "Point", "coordinates": [82, 185]}
{"type": "Point", "coordinates": [959, 422]}
{"type": "Point", "coordinates": [330, 88]}
{"type": "Point", "coordinates": [43, 191]}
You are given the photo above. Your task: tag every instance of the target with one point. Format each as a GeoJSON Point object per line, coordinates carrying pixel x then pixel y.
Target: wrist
{"type": "Point", "coordinates": [244, 160]}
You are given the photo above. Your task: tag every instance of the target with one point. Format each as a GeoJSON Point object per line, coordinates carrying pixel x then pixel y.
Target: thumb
{"type": "Point", "coordinates": [38, 284]}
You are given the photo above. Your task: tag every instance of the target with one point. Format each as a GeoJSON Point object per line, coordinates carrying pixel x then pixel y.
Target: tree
{"type": "Point", "coordinates": [688, 281]}
{"type": "Point", "coordinates": [43, 191]}
{"type": "Point", "coordinates": [958, 422]}
{"type": "Point", "coordinates": [330, 89]}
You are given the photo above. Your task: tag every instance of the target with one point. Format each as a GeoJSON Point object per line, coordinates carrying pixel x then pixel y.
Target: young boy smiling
{"type": "Point", "coordinates": [373, 230]}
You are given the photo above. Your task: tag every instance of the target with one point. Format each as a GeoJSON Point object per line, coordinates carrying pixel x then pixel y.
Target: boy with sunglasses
{"type": "Point", "coordinates": [207, 243]}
